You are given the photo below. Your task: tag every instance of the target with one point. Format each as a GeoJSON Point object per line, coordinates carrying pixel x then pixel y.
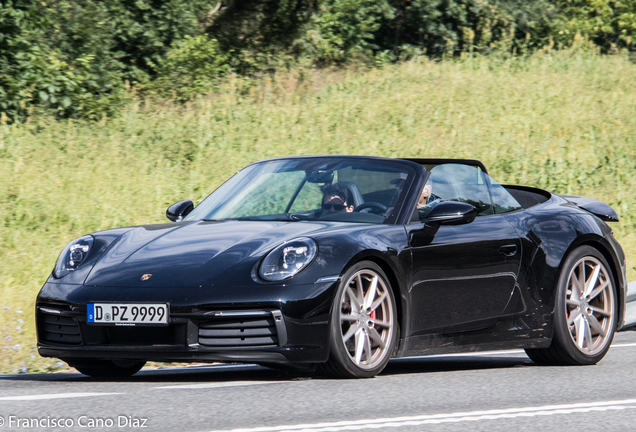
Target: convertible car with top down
{"type": "Point", "coordinates": [342, 262]}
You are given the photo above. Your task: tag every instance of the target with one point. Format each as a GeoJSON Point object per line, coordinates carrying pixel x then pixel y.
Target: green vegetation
{"type": "Point", "coordinates": [77, 57]}
{"type": "Point", "coordinates": [559, 120]}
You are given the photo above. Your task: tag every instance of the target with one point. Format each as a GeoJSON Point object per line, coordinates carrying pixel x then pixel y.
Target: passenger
{"type": "Point", "coordinates": [336, 199]}
{"type": "Point", "coordinates": [425, 196]}
{"type": "Point", "coordinates": [426, 202]}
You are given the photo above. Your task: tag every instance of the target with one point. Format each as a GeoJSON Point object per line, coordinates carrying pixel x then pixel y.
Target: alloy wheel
{"type": "Point", "coordinates": [589, 305]}
{"type": "Point", "coordinates": [366, 319]}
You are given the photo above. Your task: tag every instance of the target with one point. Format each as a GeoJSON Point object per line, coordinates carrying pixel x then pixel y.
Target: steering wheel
{"type": "Point", "coordinates": [375, 207]}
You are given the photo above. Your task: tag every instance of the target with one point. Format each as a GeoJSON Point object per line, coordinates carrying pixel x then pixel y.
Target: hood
{"type": "Point", "coordinates": [189, 254]}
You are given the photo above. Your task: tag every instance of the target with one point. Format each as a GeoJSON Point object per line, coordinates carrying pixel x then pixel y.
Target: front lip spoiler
{"type": "Point", "coordinates": [165, 354]}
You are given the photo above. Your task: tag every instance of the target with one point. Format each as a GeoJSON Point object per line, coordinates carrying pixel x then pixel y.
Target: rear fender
{"type": "Point", "coordinates": [596, 207]}
{"type": "Point", "coordinates": [605, 248]}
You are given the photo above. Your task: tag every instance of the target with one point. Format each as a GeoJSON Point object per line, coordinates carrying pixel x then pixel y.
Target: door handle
{"type": "Point", "coordinates": [508, 250]}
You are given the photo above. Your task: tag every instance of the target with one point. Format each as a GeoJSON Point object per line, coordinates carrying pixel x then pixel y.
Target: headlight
{"type": "Point", "coordinates": [288, 259]}
{"type": "Point", "coordinates": [73, 256]}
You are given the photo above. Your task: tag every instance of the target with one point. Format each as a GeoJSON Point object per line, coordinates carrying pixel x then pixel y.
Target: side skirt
{"type": "Point", "coordinates": [436, 345]}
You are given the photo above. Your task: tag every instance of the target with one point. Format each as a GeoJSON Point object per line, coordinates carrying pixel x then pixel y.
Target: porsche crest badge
{"type": "Point", "coordinates": [146, 276]}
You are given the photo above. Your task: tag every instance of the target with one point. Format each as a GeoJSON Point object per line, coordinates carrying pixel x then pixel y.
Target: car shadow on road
{"type": "Point", "coordinates": [253, 373]}
{"type": "Point", "coordinates": [452, 364]}
{"type": "Point", "coordinates": [205, 374]}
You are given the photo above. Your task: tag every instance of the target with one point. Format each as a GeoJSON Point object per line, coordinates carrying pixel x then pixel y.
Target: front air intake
{"type": "Point", "coordinates": [58, 329]}
{"type": "Point", "coordinates": [243, 329]}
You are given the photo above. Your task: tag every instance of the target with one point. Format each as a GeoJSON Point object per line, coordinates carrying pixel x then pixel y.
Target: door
{"type": "Point", "coordinates": [463, 279]}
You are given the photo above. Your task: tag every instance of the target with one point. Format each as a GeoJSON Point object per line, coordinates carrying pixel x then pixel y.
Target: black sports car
{"type": "Point", "coordinates": [343, 262]}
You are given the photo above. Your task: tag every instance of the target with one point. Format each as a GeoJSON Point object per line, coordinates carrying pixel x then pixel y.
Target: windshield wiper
{"type": "Point", "coordinates": [286, 218]}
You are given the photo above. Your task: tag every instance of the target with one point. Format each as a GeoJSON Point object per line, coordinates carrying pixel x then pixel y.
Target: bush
{"type": "Point", "coordinates": [191, 67]}
{"type": "Point", "coordinates": [74, 56]}
{"type": "Point", "coordinates": [609, 24]}
{"type": "Point", "coordinates": [343, 27]}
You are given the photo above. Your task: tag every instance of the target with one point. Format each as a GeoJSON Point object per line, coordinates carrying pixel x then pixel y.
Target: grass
{"type": "Point", "coordinates": [563, 121]}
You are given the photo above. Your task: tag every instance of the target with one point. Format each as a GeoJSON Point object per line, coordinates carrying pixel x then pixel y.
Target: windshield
{"type": "Point", "coordinates": [339, 189]}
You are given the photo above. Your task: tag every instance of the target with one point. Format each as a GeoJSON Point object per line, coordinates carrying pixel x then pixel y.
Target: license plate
{"type": "Point", "coordinates": [127, 314]}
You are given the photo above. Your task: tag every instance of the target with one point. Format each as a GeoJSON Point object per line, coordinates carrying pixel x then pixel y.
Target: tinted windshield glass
{"type": "Point", "coordinates": [341, 189]}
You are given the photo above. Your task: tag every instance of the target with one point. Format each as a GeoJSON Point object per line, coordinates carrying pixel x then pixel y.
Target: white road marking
{"type": "Point", "coordinates": [450, 418]}
{"type": "Point", "coordinates": [222, 384]}
{"type": "Point", "coordinates": [54, 396]}
{"type": "Point", "coordinates": [625, 345]}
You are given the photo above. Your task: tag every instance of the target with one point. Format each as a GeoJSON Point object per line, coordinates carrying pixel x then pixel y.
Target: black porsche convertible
{"type": "Point", "coordinates": [342, 262]}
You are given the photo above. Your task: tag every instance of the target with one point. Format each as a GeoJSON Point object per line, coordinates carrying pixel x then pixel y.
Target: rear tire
{"type": "Point", "coordinates": [107, 368]}
{"type": "Point", "coordinates": [363, 325]}
{"type": "Point", "coordinates": [585, 312]}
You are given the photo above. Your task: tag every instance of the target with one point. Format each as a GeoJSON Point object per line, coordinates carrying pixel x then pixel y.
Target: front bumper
{"type": "Point", "coordinates": [267, 331]}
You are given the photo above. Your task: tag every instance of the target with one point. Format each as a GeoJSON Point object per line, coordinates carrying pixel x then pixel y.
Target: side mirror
{"type": "Point", "coordinates": [444, 213]}
{"type": "Point", "coordinates": [451, 213]}
{"type": "Point", "coordinates": [178, 211]}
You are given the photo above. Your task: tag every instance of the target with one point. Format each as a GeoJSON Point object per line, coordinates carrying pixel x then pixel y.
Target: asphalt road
{"type": "Point", "coordinates": [501, 391]}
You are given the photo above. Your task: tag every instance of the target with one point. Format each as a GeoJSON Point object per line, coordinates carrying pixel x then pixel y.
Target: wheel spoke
{"type": "Point", "coordinates": [355, 302]}
{"type": "Point", "coordinates": [574, 294]}
{"type": "Point", "coordinates": [359, 291]}
{"type": "Point", "coordinates": [359, 346]}
{"type": "Point", "coordinates": [600, 311]}
{"type": "Point", "coordinates": [349, 333]}
{"type": "Point", "coordinates": [580, 280]}
{"type": "Point", "coordinates": [379, 301]}
{"type": "Point", "coordinates": [591, 281]}
{"type": "Point", "coordinates": [598, 290]}
{"type": "Point", "coordinates": [573, 315]}
{"type": "Point", "coordinates": [370, 295]}
{"type": "Point", "coordinates": [375, 336]}
{"type": "Point", "coordinates": [571, 302]}
{"type": "Point", "coordinates": [588, 334]}
{"type": "Point", "coordinates": [367, 347]}
{"type": "Point", "coordinates": [580, 331]}
{"type": "Point", "coordinates": [596, 325]}
{"type": "Point", "coordinates": [377, 322]}
{"type": "Point", "coordinates": [348, 318]}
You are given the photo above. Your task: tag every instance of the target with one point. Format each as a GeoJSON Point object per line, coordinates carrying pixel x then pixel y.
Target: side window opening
{"type": "Point", "coordinates": [455, 182]}
{"type": "Point", "coordinates": [463, 183]}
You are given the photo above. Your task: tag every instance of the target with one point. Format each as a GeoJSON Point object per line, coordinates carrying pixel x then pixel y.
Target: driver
{"type": "Point", "coordinates": [336, 199]}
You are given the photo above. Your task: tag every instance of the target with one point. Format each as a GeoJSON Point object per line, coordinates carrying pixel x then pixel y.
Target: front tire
{"type": "Point", "coordinates": [107, 368]}
{"type": "Point", "coordinates": [363, 324]}
{"type": "Point", "coordinates": [585, 314]}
